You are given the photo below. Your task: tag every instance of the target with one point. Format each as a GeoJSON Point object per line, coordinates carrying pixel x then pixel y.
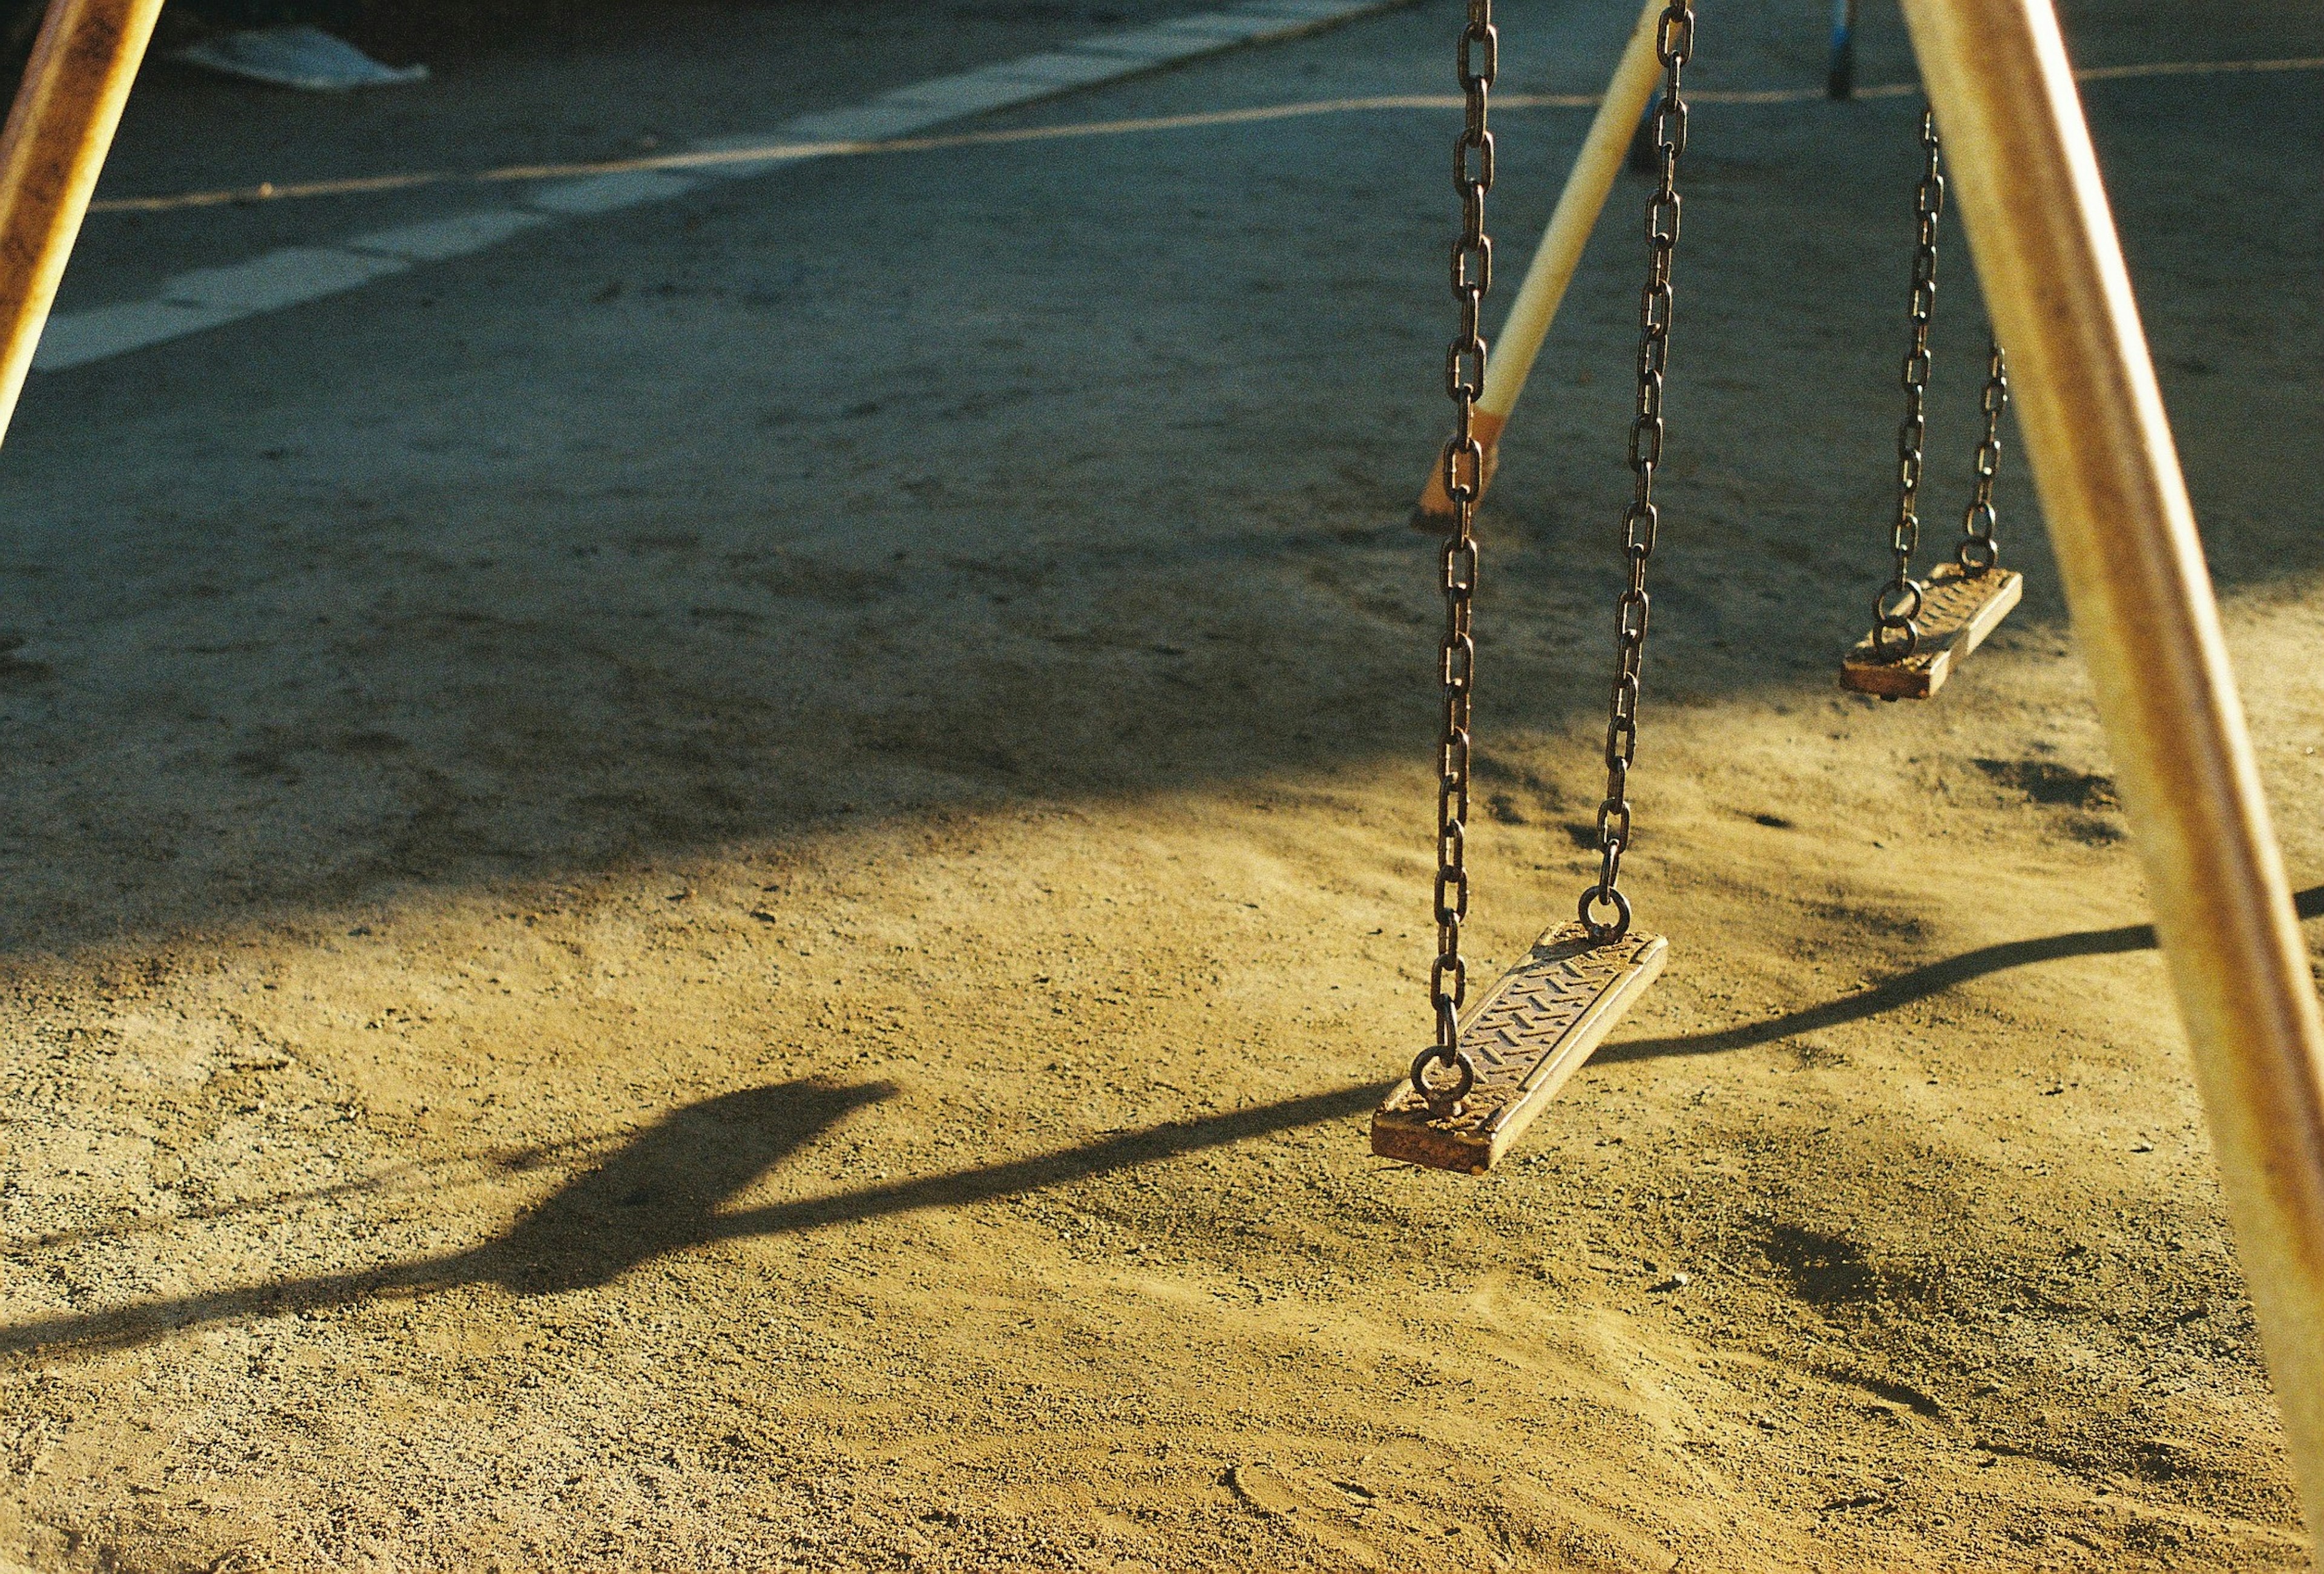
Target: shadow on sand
{"type": "Point", "coordinates": [666, 1190]}
{"type": "Point", "coordinates": [1917, 984]}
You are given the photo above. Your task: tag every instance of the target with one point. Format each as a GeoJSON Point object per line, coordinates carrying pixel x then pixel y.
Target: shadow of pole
{"type": "Point", "coordinates": [662, 1192]}
{"type": "Point", "coordinates": [1917, 984]}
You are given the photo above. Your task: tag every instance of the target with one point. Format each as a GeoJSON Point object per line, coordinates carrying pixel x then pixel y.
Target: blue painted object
{"type": "Point", "coordinates": [1840, 82]}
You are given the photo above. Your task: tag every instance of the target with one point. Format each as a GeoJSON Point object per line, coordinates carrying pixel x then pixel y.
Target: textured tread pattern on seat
{"type": "Point", "coordinates": [1525, 1037]}
{"type": "Point", "coordinates": [1958, 610]}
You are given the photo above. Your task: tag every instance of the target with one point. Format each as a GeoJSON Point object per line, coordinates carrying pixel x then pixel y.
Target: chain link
{"type": "Point", "coordinates": [1894, 607]}
{"type": "Point", "coordinates": [1464, 479]}
{"type": "Point", "coordinates": [1673, 45]}
{"type": "Point", "coordinates": [1978, 553]}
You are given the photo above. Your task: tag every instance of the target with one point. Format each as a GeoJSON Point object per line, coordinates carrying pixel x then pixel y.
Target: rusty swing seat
{"type": "Point", "coordinates": [1527, 1037]}
{"type": "Point", "coordinates": [1958, 610]}
{"type": "Point", "coordinates": [1938, 621]}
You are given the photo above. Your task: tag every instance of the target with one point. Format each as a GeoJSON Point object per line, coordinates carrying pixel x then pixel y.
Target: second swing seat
{"type": "Point", "coordinates": [1958, 610]}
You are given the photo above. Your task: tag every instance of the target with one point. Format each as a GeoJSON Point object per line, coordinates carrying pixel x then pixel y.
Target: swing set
{"type": "Point", "coordinates": [2104, 469]}
{"type": "Point", "coordinates": [2124, 536]}
{"type": "Point", "coordinates": [1474, 1090]}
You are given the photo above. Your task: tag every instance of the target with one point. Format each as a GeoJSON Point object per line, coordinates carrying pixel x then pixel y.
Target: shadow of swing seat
{"type": "Point", "coordinates": [667, 1188]}
{"type": "Point", "coordinates": [671, 1189]}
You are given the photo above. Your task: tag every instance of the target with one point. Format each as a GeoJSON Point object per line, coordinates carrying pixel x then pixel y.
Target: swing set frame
{"type": "Point", "coordinates": [2104, 469]}
{"type": "Point", "coordinates": [2107, 473]}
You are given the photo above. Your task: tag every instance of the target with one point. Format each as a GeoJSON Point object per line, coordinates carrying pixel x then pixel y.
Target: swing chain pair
{"type": "Point", "coordinates": [1464, 480]}
{"type": "Point", "coordinates": [1978, 553]}
{"type": "Point", "coordinates": [1895, 606]}
{"type": "Point", "coordinates": [1673, 45]}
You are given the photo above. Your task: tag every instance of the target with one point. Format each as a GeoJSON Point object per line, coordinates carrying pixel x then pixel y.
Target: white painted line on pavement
{"type": "Point", "coordinates": [103, 332]}
{"type": "Point", "coordinates": [210, 298]}
{"type": "Point", "coordinates": [290, 277]}
{"type": "Point", "coordinates": [193, 302]}
{"type": "Point", "coordinates": [436, 239]}
{"type": "Point", "coordinates": [1157, 45]}
{"type": "Point", "coordinates": [1310, 10]}
{"type": "Point", "coordinates": [1240, 23]}
{"type": "Point", "coordinates": [595, 194]}
{"type": "Point", "coordinates": [971, 92]}
{"type": "Point", "coordinates": [1150, 49]}
{"type": "Point", "coordinates": [1063, 70]}
{"type": "Point", "coordinates": [864, 123]}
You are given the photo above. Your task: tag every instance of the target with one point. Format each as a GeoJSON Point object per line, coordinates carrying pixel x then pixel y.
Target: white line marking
{"type": "Point", "coordinates": [864, 123]}
{"type": "Point", "coordinates": [586, 199]}
{"type": "Point", "coordinates": [103, 332]}
{"type": "Point", "coordinates": [1157, 45]}
{"type": "Point", "coordinates": [437, 240]}
{"type": "Point", "coordinates": [971, 92]}
{"type": "Point", "coordinates": [1152, 49]}
{"type": "Point", "coordinates": [1066, 69]}
{"type": "Point", "coordinates": [290, 277]}
{"type": "Point", "coordinates": [214, 297]}
{"type": "Point", "coordinates": [209, 298]}
{"type": "Point", "coordinates": [1308, 10]}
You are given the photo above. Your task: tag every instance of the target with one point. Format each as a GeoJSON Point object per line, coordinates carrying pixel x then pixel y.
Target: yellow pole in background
{"type": "Point", "coordinates": [2108, 480]}
{"type": "Point", "coordinates": [1559, 254]}
{"type": "Point", "coordinates": [55, 143]}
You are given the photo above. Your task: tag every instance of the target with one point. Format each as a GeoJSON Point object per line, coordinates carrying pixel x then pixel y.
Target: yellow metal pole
{"type": "Point", "coordinates": [55, 143]}
{"type": "Point", "coordinates": [1558, 254]}
{"type": "Point", "coordinates": [2108, 480]}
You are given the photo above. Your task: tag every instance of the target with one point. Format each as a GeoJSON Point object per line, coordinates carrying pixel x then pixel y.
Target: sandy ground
{"type": "Point", "coordinates": [727, 888]}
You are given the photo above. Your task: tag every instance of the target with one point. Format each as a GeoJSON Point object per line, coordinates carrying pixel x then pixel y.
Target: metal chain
{"type": "Point", "coordinates": [1464, 479]}
{"type": "Point", "coordinates": [1895, 606]}
{"type": "Point", "coordinates": [1674, 43]}
{"type": "Point", "coordinates": [1978, 552]}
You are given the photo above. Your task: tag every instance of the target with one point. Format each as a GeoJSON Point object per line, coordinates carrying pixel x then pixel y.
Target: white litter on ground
{"type": "Point", "coordinates": [296, 56]}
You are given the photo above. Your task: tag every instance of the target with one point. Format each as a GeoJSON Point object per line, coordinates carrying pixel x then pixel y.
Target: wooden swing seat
{"type": "Point", "coordinates": [1529, 1033]}
{"type": "Point", "coordinates": [1958, 610]}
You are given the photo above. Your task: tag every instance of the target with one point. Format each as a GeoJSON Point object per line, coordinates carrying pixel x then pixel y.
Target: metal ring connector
{"type": "Point", "coordinates": [1897, 621]}
{"type": "Point", "coordinates": [1908, 639]}
{"type": "Point", "coordinates": [1603, 932]}
{"type": "Point", "coordinates": [1443, 1102]}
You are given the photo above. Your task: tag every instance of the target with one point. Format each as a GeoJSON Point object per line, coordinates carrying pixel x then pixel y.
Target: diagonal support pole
{"type": "Point", "coordinates": [2108, 478]}
{"type": "Point", "coordinates": [55, 143]}
{"type": "Point", "coordinates": [1558, 255]}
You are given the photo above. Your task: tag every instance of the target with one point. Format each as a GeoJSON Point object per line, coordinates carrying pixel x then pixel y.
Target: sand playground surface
{"type": "Point", "coordinates": [728, 888]}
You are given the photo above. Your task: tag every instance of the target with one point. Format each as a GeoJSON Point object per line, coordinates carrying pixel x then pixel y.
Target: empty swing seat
{"type": "Point", "coordinates": [1530, 1033]}
{"type": "Point", "coordinates": [1958, 610]}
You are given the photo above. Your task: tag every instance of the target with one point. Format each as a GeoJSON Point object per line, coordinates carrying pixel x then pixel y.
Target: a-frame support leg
{"type": "Point", "coordinates": [2123, 533]}
{"type": "Point", "coordinates": [58, 132]}
{"type": "Point", "coordinates": [1579, 208]}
